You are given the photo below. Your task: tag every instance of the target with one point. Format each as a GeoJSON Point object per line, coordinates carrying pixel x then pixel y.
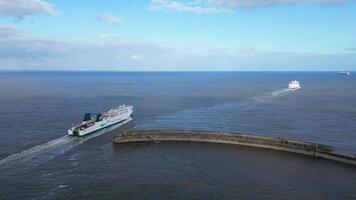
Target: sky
{"type": "Point", "coordinates": [178, 35]}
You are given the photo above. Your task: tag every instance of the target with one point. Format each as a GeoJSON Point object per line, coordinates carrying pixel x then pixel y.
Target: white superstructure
{"type": "Point", "coordinates": [294, 85]}
{"type": "Point", "coordinates": [345, 73]}
{"type": "Point", "coordinates": [99, 121]}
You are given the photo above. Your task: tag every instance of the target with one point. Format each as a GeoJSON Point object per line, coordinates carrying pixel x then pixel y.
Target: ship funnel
{"type": "Point", "coordinates": [99, 117]}
{"type": "Point", "coordinates": [87, 117]}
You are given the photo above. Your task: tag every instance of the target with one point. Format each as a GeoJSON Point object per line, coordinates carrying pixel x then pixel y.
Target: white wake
{"type": "Point", "coordinates": [49, 150]}
{"type": "Point", "coordinates": [269, 96]}
{"type": "Point", "coordinates": [216, 117]}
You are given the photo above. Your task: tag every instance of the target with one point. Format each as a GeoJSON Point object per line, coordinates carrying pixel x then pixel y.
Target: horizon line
{"type": "Point", "coordinates": [43, 70]}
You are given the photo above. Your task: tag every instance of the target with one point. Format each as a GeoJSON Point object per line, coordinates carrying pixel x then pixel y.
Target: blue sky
{"type": "Point", "coordinates": [176, 35]}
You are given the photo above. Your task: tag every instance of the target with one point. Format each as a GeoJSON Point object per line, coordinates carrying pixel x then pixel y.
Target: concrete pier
{"type": "Point", "coordinates": [293, 146]}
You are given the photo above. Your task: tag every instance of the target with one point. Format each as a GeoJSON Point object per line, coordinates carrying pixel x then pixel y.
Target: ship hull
{"type": "Point", "coordinates": [294, 87]}
{"type": "Point", "coordinates": [101, 125]}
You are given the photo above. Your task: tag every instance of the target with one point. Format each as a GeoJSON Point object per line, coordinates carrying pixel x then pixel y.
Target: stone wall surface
{"type": "Point", "coordinates": [293, 146]}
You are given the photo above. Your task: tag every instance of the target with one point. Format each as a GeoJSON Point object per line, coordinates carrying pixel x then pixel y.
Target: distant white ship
{"type": "Point", "coordinates": [99, 121]}
{"type": "Point", "coordinates": [293, 85]}
{"type": "Point", "coordinates": [345, 73]}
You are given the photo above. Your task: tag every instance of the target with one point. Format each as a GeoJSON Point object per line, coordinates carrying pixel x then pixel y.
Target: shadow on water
{"type": "Point", "coordinates": [47, 151]}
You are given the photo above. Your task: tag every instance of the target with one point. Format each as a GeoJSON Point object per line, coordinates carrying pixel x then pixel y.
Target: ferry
{"type": "Point", "coordinates": [345, 73]}
{"type": "Point", "coordinates": [293, 85]}
{"type": "Point", "coordinates": [95, 122]}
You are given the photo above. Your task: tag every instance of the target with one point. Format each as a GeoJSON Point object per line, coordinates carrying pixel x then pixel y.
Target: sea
{"type": "Point", "coordinates": [39, 161]}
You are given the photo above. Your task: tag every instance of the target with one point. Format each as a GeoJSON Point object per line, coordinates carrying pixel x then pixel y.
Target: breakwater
{"type": "Point", "coordinates": [293, 146]}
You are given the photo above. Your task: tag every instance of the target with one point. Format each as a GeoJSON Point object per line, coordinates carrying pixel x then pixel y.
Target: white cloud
{"type": "Point", "coordinates": [22, 8]}
{"type": "Point", "coordinates": [109, 37]}
{"type": "Point", "coordinates": [266, 3]}
{"type": "Point", "coordinates": [9, 31]}
{"type": "Point", "coordinates": [108, 18]}
{"type": "Point", "coordinates": [136, 57]}
{"type": "Point", "coordinates": [25, 53]}
{"type": "Point", "coordinates": [168, 5]}
{"type": "Point", "coordinates": [219, 6]}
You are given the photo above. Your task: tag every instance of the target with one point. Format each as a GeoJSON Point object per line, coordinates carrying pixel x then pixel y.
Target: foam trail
{"type": "Point", "coordinates": [49, 150]}
{"type": "Point", "coordinates": [269, 96]}
{"type": "Point", "coordinates": [216, 117]}
{"type": "Point", "coordinates": [27, 154]}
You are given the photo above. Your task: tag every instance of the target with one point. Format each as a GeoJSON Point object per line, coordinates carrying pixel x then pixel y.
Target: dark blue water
{"type": "Point", "coordinates": [37, 160]}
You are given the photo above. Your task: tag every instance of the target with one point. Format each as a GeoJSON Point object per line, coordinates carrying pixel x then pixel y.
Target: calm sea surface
{"type": "Point", "coordinates": [38, 160]}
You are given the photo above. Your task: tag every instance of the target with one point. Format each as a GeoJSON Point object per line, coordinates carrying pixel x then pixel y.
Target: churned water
{"type": "Point", "coordinates": [38, 161]}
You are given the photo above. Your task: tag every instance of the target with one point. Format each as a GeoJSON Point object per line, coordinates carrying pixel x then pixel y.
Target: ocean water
{"type": "Point", "coordinates": [38, 160]}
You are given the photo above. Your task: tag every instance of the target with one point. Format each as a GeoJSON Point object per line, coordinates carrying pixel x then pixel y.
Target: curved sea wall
{"type": "Point", "coordinates": [293, 146]}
